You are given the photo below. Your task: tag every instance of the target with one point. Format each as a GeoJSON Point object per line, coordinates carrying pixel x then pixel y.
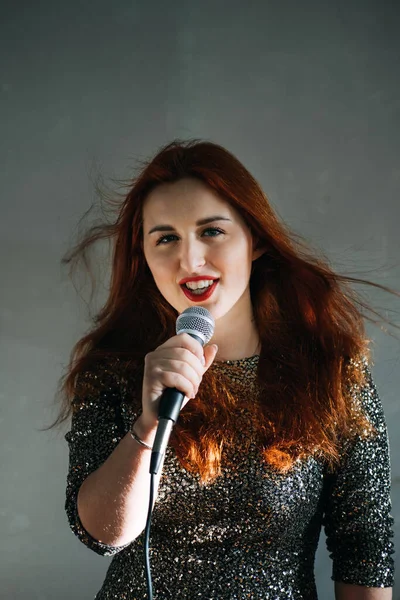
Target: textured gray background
{"type": "Point", "coordinates": [305, 93]}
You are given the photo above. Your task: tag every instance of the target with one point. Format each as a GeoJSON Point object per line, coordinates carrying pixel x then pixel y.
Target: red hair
{"type": "Point", "coordinates": [313, 340]}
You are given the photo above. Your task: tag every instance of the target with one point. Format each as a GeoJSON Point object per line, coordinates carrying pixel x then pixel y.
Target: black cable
{"type": "Point", "coordinates": [147, 541]}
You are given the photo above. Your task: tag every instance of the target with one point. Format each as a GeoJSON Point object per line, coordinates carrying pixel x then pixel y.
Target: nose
{"type": "Point", "coordinates": [192, 256]}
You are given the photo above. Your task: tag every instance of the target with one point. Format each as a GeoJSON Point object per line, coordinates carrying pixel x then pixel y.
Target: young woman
{"type": "Point", "coordinates": [282, 429]}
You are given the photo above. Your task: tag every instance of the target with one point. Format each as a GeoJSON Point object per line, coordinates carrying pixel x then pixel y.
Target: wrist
{"type": "Point", "coordinates": [145, 430]}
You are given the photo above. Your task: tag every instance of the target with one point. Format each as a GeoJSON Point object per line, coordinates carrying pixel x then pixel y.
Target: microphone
{"type": "Point", "coordinates": [199, 324]}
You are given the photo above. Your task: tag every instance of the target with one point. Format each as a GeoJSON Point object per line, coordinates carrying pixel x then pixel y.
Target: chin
{"type": "Point", "coordinates": [216, 310]}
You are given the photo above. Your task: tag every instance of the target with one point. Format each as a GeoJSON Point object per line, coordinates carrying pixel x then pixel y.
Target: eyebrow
{"type": "Point", "coordinates": [198, 223]}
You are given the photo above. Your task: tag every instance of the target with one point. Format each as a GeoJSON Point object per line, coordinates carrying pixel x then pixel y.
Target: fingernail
{"type": "Point", "coordinates": [203, 361]}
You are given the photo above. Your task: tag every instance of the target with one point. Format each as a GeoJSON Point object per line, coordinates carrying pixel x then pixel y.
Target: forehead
{"type": "Point", "coordinates": [186, 197]}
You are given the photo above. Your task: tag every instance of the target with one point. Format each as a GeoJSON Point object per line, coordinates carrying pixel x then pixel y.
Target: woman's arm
{"type": "Point", "coordinates": [357, 517]}
{"type": "Point", "coordinates": [346, 591]}
{"type": "Point", "coordinates": [113, 500]}
{"type": "Point", "coordinates": [108, 481]}
{"type": "Point", "coordinates": [108, 477]}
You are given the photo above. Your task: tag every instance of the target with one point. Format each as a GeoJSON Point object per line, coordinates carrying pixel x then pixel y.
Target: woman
{"type": "Point", "coordinates": [282, 429]}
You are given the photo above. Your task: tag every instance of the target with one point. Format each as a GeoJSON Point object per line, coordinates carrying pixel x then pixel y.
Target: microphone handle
{"type": "Point", "coordinates": [168, 412]}
{"type": "Point", "coordinates": [170, 406]}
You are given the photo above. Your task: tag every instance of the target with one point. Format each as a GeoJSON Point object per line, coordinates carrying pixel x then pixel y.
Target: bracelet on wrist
{"type": "Point", "coordinates": [138, 440]}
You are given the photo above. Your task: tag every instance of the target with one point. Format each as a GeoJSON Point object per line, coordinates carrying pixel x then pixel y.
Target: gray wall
{"type": "Point", "coordinates": [305, 93]}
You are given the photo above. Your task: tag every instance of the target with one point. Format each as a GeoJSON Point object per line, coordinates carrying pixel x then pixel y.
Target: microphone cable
{"type": "Point", "coordinates": [147, 540]}
{"type": "Point", "coordinates": [199, 324]}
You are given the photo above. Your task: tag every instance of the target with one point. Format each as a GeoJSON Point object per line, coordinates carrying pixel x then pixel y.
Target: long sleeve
{"type": "Point", "coordinates": [96, 429]}
{"type": "Point", "coordinates": [357, 520]}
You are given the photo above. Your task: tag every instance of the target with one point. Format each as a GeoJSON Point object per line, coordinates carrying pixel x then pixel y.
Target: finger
{"type": "Point", "coordinates": [180, 355]}
{"type": "Point", "coordinates": [210, 353]}
{"type": "Point", "coordinates": [164, 363]}
{"type": "Point", "coordinates": [184, 340]}
{"type": "Point", "coordinates": [173, 379]}
{"type": "Point", "coordinates": [190, 368]}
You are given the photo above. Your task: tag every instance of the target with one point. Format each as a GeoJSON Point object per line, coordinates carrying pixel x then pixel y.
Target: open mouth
{"type": "Point", "coordinates": [199, 292]}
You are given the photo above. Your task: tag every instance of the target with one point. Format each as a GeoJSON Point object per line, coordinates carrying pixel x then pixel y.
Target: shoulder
{"type": "Point", "coordinates": [364, 393]}
{"type": "Point", "coordinates": [107, 377]}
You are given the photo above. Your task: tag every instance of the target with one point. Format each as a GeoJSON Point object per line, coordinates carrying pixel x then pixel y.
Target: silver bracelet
{"type": "Point", "coordinates": [139, 441]}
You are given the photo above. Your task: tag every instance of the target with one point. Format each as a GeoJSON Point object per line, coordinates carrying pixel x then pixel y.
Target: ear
{"type": "Point", "coordinates": [258, 250]}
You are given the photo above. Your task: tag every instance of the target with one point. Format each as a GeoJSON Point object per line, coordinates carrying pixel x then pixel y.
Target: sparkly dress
{"type": "Point", "coordinates": [252, 533]}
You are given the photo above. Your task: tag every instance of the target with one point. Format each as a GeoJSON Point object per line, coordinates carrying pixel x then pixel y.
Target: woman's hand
{"type": "Point", "coordinates": [178, 363]}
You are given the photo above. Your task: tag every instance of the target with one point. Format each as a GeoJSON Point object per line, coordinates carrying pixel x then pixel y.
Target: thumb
{"type": "Point", "coordinates": [209, 354]}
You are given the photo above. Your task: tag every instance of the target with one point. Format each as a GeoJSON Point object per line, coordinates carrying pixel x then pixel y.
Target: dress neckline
{"type": "Point", "coordinates": [238, 361]}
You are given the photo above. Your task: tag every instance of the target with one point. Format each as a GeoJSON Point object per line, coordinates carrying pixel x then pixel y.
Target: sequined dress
{"type": "Point", "coordinates": [253, 533]}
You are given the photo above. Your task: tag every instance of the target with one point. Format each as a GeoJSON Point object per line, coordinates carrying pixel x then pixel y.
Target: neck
{"type": "Point", "coordinates": [237, 340]}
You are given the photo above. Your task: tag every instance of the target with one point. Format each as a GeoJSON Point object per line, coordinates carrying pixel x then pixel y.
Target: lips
{"type": "Point", "coordinates": [198, 297]}
{"type": "Point", "coordinates": [198, 278]}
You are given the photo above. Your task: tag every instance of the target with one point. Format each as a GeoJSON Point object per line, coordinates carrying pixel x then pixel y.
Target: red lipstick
{"type": "Point", "coordinates": [199, 297]}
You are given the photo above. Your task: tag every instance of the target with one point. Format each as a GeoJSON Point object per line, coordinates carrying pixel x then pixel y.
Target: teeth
{"type": "Point", "coordinates": [196, 285]}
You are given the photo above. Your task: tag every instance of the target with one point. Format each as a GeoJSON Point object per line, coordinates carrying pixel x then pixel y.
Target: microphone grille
{"type": "Point", "coordinates": [197, 321]}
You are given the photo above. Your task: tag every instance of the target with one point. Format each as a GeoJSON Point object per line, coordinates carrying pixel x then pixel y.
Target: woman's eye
{"type": "Point", "coordinates": [212, 231]}
{"type": "Point", "coordinates": [165, 239]}
{"type": "Point", "coordinates": [171, 237]}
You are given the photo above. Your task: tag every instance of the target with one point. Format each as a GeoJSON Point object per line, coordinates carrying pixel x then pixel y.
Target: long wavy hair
{"type": "Point", "coordinates": [309, 318]}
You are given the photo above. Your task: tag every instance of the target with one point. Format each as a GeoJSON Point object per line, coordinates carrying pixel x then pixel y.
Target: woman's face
{"type": "Point", "coordinates": [194, 239]}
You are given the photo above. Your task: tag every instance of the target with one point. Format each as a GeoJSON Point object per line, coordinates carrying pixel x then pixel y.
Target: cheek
{"type": "Point", "coordinates": [160, 267]}
{"type": "Point", "coordinates": [236, 256]}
